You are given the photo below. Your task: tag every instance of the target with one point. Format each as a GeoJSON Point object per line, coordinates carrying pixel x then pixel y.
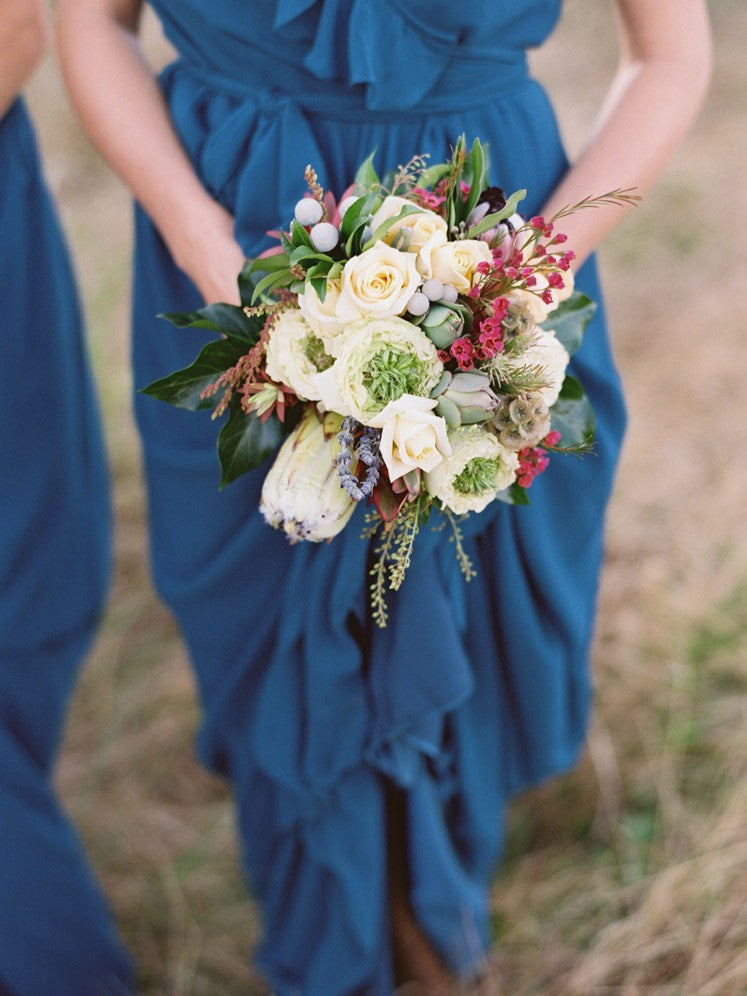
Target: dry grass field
{"type": "Point", "coordinates": [630, 874]}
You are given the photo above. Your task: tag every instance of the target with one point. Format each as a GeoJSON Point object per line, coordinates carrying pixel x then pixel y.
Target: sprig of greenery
{"type": "Point", "coordinates": [463, 559]}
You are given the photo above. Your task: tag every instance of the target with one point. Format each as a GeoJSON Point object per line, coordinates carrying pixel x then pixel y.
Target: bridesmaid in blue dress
{"type": "Point", "coordinates": [370, 768]}
{"type": "Point", "coordinates": [56, 934]}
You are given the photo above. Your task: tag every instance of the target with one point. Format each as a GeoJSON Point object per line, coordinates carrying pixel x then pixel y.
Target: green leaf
{"type": "Point", "coordinates": [320, 286]}
{"type": "Point", "coordinates": [479, 164]}
{"type": "Point", "coordinates": [514, 495]}
{"type": "Point", "coordinates": [244, 442]}
{"type": "Point", "coordinates": [358, 213]}
{"type": "Point", "coordinates": [226, 319]}
{"type": "Point", "coordinates": [430, 177]}
{"type": "Point", "coordinates": [386, 225]}
{"type": "Point", "coordinates": [272, 281]}
{"type": "Point", "coordinates": [366, 177]}
{"type": "Point", "coordinates": [299, 235]}
{"type": "Point", "coordinates": [493, 219]}
{"type": "Point", "coordinates": [183, 388]}
{"type": "Point", "coordinates": [574, 420]}
{"type": "Point", "coordinates": [267, 264]}
{"type": "Point", "coordinates": [569, 320]}
{"type": "Point", "coordinates": [303, 253]}
{"type": "Point", "coordinates": [571, 389]}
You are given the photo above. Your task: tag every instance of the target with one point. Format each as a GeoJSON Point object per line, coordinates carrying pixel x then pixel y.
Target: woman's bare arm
{"type": "Point", "coordinates": [123, 111]}
{"type": "Point", "coordinates": [24, 30]}
{"type": "Point", "coordinates": [662, 78]}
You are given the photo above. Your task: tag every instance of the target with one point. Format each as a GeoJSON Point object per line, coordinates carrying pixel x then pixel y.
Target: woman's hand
{"type": "Point", "coordinates": [124, 112]}
{"type": "Point", "coordinates": [665, 65]}
{"type": "Point", "coordinates": [24, 31]}
{"type": "Point", "coordinates": [204, 246]}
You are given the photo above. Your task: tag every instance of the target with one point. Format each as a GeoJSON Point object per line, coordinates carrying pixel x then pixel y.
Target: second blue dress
{"type": "Point", "coordinates": [473, 691]}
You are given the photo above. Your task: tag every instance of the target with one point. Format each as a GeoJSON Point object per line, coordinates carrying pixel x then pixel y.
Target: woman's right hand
{"type": "Point", "coordinates": [124, 112]}
{"type": "Point", "coordinates": [203, 245]}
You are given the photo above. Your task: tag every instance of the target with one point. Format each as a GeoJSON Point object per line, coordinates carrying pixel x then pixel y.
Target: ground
{"type": "Point", "coordinates": [628, 875]}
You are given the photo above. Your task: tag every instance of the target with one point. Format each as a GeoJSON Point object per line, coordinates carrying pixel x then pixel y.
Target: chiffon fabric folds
{"type": "Point", "coordinates": [474, 690]}
{"type": "Point", "coordinates": [56, 934]}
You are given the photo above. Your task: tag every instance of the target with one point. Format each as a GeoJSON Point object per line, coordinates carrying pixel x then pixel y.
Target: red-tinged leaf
{"type": "Point", "coordinates": [387, 503]}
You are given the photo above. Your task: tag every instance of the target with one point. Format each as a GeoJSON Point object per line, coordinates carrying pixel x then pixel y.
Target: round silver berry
{"type": "Point", "coordinates": [308, 211]}
{"type": "Point", "coordinates": [366, 234]}
{"type": "Point", "coordinates": [346, 203]}
{"type": "Point", "coordinates": [418, 304]}
{"type": "Point", "coordinates": [450, 294]}
{"type": "Point", "coordinates": [433, 289]}
{"type": "Point", "coordinates": [324, 236]}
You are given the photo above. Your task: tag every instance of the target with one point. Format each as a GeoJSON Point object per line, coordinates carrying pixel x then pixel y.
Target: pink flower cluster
{"type": "Point", "coordinates": [534, 460]}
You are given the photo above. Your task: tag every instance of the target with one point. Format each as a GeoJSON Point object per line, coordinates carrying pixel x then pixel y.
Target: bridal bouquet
{"type": "Point", "coordinates": [410, 346]}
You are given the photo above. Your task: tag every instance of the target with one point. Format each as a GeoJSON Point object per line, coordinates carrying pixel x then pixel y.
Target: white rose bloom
{"type": "Point", "coordinates": [478, 468]}
{"type": "Point", "coordinates": [292, 349]}
{"type": "Point", "coordinates": [321, 315]}
{"type": "Point", "coordinates": [419, 227]}
{"type": "Point", "coordinates": [381, 359]}
{"type": "Point", "coordinates": [411, 435]}
{"type": "Point", "coordinates": [456, 262]}
{"type": "Point", "coordinates": [379, 283]}
{"type": "Point", "coordinates": [425, 254]}
{"type": "Point", "coordinates": [548, 352]}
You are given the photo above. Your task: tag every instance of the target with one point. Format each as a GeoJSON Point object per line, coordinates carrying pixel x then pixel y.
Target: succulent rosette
{"type": "Point", "coordinates": [407, 349]}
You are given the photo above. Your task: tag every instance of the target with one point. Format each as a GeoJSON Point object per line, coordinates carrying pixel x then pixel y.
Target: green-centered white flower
{"type": "Point", "coordinates": [321, 315]}
{"type": "Point", "coordinates": [478, 468]}
{"type": "Point", "coordinates": [380, 359]}
{"type": "Point", "coordinates": [295, 355]}
{"type": "Point", "coordinates": [302, 494]}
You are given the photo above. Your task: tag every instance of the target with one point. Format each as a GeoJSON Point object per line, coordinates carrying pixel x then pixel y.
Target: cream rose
{"type": "Point", "coordinates": [424, 259]}
{"type": "Point", "coordinates": [295, 355]}
{"type": "Point", "coordinates": [417, 228]}
{"type": "Point", "coordinates": [548, 352]}
{"type": "Point", "coordinates": [411, 435]}
{"type": "Point", "coordinates": [478, 468]}
{"type": "Point", "coordinates": [456, 262]}
{"type": "Point", "coordinates": [321, 314]}
{"type": "Point", "coordinates": [378, 283]}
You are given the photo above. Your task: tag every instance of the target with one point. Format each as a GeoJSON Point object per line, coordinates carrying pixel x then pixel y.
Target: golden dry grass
{"type": "Point", "coordinates": [627, 876]}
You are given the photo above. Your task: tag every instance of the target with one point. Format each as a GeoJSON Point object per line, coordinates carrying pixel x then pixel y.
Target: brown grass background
{"type": "Point", "coordinates": [630, 874]}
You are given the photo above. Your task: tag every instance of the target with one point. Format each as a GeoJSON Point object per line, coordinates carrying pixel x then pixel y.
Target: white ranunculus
{"type": "Point", "coordinates": [548, 352]}
{"type": "Point", "coordinates": [411, 435]}
{"type": "Point", "coordinates": [378, 283]}
{"type": "Point", "coordinates": [380, 359]}
{"type": "Point", "coordinates": [292, 349]}
{"type": "Point", "coordinates": [558, 293]}
{"type": "Point", "coordinates": [302, 494]}
{"type": "Point", "coordinates": [321, 314]}
{"type": "Point", "coordinates": [529, 302]}
{"type": "Point", "coordinates": [456, 262]}
{"type": "Point", "coordinates": [478, 468]}
{"type": "Point", "coordinates": [419, 227]}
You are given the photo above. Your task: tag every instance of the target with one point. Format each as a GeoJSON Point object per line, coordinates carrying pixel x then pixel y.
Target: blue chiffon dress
{"type": "Point", "coordinates": [473, 691]}
{"type": "Point", "coordinates": [56, 934]}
